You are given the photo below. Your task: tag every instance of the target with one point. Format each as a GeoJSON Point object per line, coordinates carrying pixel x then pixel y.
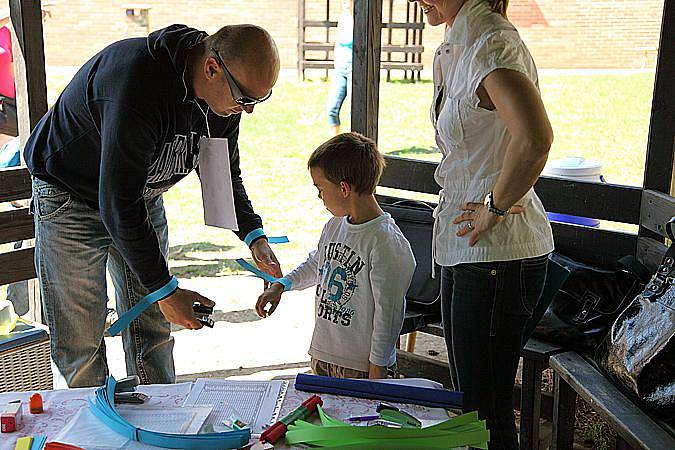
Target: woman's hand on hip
{"type": "Point", "coordinates": [476, 220]}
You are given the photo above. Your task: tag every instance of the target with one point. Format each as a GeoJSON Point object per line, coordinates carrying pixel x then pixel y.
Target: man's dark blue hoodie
{"type": "Point", "coordinates": [124, 130]}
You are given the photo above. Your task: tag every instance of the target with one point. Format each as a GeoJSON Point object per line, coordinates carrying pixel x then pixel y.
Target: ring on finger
{"type": "Point", "coordinates": [469, 226]}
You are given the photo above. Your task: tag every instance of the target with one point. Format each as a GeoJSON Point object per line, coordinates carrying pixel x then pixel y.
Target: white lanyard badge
{"type": "Point", "coordinates": [216, 180]}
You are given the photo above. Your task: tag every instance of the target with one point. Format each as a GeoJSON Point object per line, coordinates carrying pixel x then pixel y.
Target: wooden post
{"type": "Point", "coordinates": [530, 404]}
{"type": "Point", "coordinates": [389, 32]}
{"type": "Point", "coordinates": [661, 144]}
{"type": "Point", "coordinates": [407, 19]}
{"type": "Point", "coordinates": [31, 92]}
{"type": "Point", "coordinates": [564, 409]}
{"type": "Point", "coordinates": [366, 66]}
{"type": "Point", "coordinates": [327, 31]}
{"type": "Point", "coordinates": [301, 39]}
{"type": "Point", "coordinates": [29, 64]}
{"type": "Point", "coordinates": [413, 58]}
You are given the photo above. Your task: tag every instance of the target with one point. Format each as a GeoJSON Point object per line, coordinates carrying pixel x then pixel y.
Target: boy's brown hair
{"type": "Point", "coordinates": [350, 157]}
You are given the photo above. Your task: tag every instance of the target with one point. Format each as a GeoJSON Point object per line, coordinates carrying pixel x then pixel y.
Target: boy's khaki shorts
{"type": "Point", "coordinates": [332, 370]}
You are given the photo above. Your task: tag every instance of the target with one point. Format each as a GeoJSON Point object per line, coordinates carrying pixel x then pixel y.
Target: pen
{"type": "Point", "coordinates": [363, 418]}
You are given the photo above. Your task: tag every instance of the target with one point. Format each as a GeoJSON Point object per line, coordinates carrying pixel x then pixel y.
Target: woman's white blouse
{"type": "Point", "coordinates": [473, 140]}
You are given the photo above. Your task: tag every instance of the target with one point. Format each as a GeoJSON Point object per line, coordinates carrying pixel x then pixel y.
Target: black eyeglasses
{"type": "Point", "coordinates": [239, 97]}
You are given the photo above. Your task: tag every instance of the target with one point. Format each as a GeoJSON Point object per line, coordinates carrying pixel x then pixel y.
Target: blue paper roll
{"type": "Point", "coordinates": [374, 390]}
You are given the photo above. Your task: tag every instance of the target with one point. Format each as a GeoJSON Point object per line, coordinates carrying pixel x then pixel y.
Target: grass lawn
{"type": "Point", "coordinates": [604, 117]}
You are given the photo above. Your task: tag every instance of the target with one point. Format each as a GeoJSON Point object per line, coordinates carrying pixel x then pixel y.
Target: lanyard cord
{"type": "Point", "coordinates": [206, 118]}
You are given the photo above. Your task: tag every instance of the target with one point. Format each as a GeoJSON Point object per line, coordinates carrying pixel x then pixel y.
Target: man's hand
{"type": "Point", "coordinates": [177, 308]}
{"type": "Point", "coordinates": [271, 296]}
{"type": "Point", "coordinates": [265, 259]}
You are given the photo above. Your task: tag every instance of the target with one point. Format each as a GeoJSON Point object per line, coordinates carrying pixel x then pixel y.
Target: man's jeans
{"type": "Point", "coordinates": [340, 88]}
{"type": "Point", "coordinates": [485, 308]}
{"type": "Point", "coordinates": [72, 250]}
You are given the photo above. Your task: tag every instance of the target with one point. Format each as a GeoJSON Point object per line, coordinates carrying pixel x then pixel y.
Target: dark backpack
{"type": "Point", "coordinates": [416, 221]}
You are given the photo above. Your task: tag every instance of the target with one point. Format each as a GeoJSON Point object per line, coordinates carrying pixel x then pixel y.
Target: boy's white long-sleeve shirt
{"type": "Point", "coordinates": [362, 273]}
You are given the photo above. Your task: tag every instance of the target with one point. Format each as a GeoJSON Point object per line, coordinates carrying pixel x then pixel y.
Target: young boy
{"type": "Point", "coordinates": [362, 267]}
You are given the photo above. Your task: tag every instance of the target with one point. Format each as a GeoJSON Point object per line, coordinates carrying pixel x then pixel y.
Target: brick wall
{"type": "Point", "coordinates": [559, 33]}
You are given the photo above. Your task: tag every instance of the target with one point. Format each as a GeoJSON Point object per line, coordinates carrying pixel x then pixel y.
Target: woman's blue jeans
{"type": "Point", "coordinates": [485, 307]}
{"type": "Point", "coordinates": [72, 250]}
{"type": "Point", "coordinates": [340, 88]}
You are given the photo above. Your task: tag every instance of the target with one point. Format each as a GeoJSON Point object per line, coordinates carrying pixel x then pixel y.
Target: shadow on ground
{"type": "Point", "coordinates": [201, 259]}
{"type": "Point", "coordinates": [410, 81]}
{"type": "Point", "coordinates": [414, 151]}
{"type": "Point", "coordinates": [243, 316]}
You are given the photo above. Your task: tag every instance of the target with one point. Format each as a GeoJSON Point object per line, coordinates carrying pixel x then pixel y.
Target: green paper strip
{"type": "Point", "coordinates": [457, 432]}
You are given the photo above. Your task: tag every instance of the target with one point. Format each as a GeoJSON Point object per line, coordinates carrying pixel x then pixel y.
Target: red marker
{"type": "Point", "coordinates": [276, 431]}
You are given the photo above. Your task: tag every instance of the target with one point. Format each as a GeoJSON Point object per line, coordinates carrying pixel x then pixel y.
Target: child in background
{"type": "Point", "coordinates": [362, 267]}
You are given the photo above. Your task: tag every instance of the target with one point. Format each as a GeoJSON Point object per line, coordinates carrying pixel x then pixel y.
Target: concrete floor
{"type": "Point", "coordinates": [241, 344]}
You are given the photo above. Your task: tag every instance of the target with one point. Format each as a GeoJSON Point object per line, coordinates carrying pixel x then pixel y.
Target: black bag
{"type": "Point", "coordinates": [416, 221]}
{"type": "Point", "coordinates": [639, 351]}
{"type": "Point", "coordinates": [589, 301]}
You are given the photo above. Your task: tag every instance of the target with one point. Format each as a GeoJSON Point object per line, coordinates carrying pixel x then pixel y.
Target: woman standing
{"type": "Point", "coordinates": [491, 234]}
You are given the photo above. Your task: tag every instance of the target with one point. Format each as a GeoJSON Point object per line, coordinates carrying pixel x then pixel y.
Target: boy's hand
{"type": "Point", "coordinates": [271, 296]}
{"type": "Point", "coordinates": [376, 372]}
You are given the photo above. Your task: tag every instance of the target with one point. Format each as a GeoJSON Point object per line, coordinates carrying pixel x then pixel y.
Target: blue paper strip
{"type": "Point", "coordinates": [265, 276]}
{"type": "Point", "coordinates": [278, 240]}
{"type": "Point", "coordinates": [104, 409]}
{"type": "Point", "coordinates": [129, 316]}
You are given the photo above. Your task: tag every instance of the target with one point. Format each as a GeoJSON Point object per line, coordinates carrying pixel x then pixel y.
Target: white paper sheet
{"type": "Point", "coordinates": [86, 430]}
{"type": "Point", "coordinates": [216, 180]}
{"type": "Point", "coordinates": [255, 402]}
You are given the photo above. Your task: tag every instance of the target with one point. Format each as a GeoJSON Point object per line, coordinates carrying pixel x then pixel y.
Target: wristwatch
{"type": "Point", "coordinates": [490, 205]}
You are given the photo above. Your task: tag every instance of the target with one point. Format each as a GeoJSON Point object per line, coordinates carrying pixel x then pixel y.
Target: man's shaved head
{"type": "Point", "coordinates": [250, 55]}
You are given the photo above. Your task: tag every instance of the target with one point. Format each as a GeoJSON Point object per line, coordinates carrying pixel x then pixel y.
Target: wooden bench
{"type": "Point", "coordinates": [575, 376]}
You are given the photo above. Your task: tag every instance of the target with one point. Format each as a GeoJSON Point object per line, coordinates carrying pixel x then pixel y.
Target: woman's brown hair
{"type": "Point", "coordinates": [499, 6]}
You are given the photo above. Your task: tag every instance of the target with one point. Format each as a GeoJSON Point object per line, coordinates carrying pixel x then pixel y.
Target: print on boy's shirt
{"type": "Point", "coordinates": [338, 282]}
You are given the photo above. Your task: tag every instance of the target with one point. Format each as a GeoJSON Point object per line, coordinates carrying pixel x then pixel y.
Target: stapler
{"type": "Point", "coordinates": [124, 391]}
{"type": "Point", "coordinates": [391, 413]}
{"type": "Point", "coordinates": [203, 314]}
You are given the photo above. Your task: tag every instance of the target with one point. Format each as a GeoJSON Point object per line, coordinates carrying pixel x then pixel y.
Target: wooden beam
{"type": "Point", "coordinates": [604, 201]}
{"type": "Point", "coordinates": [366, 66]}
{"type": "Point", "coordinates": [17, 266]}
{"type": "Point", "coordinates": [410, 175]}
{"type": "Point", "coordinates": [597, 200]}
{"type": "Point", "coordinates": [593, 246]}
{"type": "Point", "coordinates": [16, 225]}
{"type": "Point", "coordinates": [29, 64]}
{"type": "Point", "coordinates": [15, 184]}
{"type": "Point", "coordinates": [657, 209]}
